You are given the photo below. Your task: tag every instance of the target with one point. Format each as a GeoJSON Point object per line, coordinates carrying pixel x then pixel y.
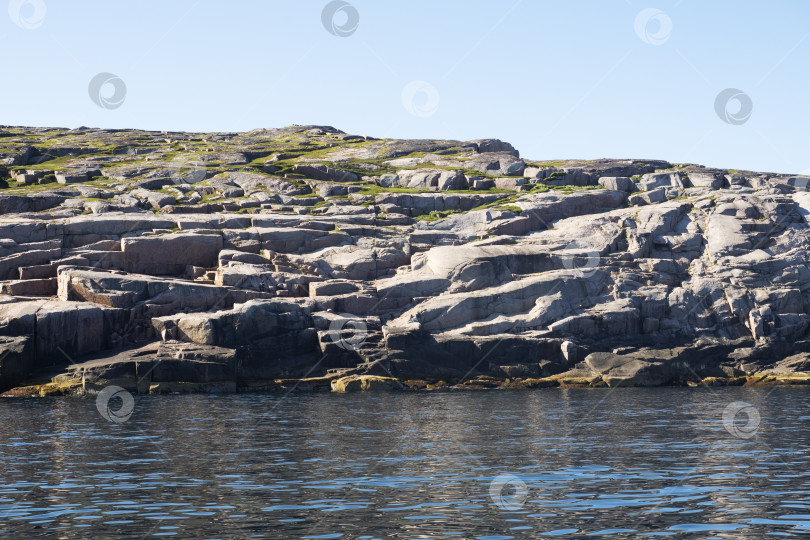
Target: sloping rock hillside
{"type": "Point", "coordinates": [305, 257]}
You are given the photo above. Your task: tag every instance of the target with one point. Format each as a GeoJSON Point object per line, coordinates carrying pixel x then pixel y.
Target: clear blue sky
{"type": "Point", "coordinates": [558, 79]}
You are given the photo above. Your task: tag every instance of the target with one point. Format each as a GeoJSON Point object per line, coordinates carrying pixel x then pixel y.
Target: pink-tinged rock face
{"type": "Point", "coordinates": [226, 260]}
{"type": "Point", "coordinates": [170, 254]}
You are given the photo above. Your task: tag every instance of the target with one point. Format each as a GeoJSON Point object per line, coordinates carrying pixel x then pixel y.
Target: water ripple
{"type": "Point", "coordinates": [489, 465]}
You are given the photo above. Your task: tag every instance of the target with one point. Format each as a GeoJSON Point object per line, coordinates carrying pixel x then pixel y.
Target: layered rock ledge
{"type": "Point", "coordinates": [307, 258]}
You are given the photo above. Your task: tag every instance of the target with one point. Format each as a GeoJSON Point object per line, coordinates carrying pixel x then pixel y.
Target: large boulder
{"type": "Point", "coordinates": [617, 183]}
{"type": "Point", "coordinates": [653, 181]}
{"type": "Point", "coordinates": [16, 204]}
{"type": "Point", "coordinates": [170, 254]}
{"type": "Point", "coordinates": [324, 172]}
{"type": "Point", "coordinates": [424, 203]}
{"type": "Point", "coordinates": [254, 323]}
{"type": "Point", "coordinates": [533, 302]}
{"type": "Point", "coordinates": [274, 336]}
{"type": "Point", "coordinates": [352, 262]}
{"type": "Point", "coordinates": [712, 180]}
{"type": "Point", "coordinates": [17, 360]}
{"type": "Point", "coordinates": [432, 179]}
{"type": "Point", "coordinates": [122, 290]}
{"type": "Point", "coordinates": [23, 255]}
{"type": "Point", "coordinates": [289, 240]}
{"type": "Point", "coordinates": [260, 277]}
{"type": "Point", "coordinates": [61, 331]}
{"type": "Point", "coordinates": [494, 145]}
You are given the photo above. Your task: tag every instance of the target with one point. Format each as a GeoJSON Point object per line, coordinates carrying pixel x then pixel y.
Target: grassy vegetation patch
{"type": "Point", "coordinates": [546, 164]}
{"type": "Point", "coordinates": [509, 208]}
{"type": "Point", "coordinates": [436, 215]}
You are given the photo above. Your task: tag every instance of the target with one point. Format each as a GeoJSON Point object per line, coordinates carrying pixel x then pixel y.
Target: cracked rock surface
{"type": "Point", "coordinates": [306, 257]}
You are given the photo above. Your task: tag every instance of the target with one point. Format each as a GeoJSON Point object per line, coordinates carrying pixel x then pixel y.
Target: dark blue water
{"type": "Point", "coordinates": [490, 464]}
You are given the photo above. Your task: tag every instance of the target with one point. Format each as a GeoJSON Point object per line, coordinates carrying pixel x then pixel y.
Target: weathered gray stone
{"type": "Point", "coordinates": [274, 331]}
{"type": "Point", "coordinates": [71, 178]}
{"type": "Point", "coordinates": [60, 330]}
{"type": "Point", "coordinates": [17, 360]}
{"type": "Point", "coordinates": [121, 290]}
{"type": "Point", "coordinates": [707, 179]}
{"type": "Point", "coordinates": [618, 183]}
{"type": "Point", "coordinates": [170, 254]}
{"type": "Point", "coordinates": [324, 172]}
{"type": "Point", "coordinates": [553, 282]}
{"type": "Point", "coordinates": [653, 181]}
{"type": "Point", "coordinates": [30, 287]}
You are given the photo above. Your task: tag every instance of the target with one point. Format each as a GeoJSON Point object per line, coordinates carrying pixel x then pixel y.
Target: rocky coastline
{"type": "Point", "coordinates": [304, 258]}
